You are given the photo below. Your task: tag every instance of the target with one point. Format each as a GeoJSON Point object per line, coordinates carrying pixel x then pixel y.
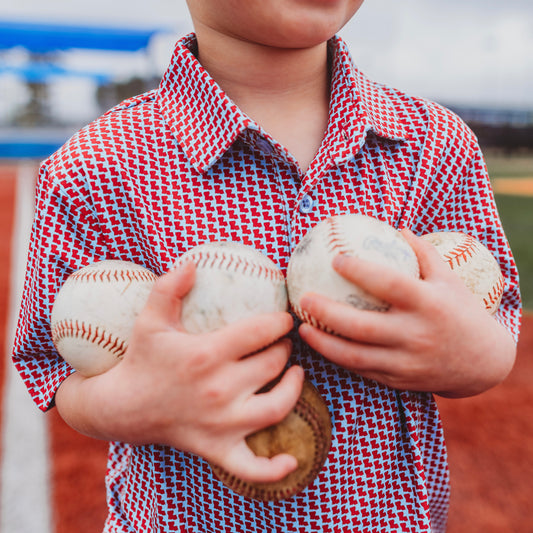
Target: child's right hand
{"type": "Point", "coordinates": [196, 393]}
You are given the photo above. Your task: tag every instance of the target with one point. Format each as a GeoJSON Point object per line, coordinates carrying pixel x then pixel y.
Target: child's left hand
{"type": "Point", "coordinates": [435, 337]}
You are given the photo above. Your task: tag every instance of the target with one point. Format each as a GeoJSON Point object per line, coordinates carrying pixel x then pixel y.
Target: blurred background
{"type": "Point", "coordinates": [63, 63]}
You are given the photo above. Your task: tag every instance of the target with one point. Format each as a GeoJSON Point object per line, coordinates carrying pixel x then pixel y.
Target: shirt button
{"type": "Point", "coordinates": [306, 204]}
{"type": "Point", "coordinates": [264, 146]}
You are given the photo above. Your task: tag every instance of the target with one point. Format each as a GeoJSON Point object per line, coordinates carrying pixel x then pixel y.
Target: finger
{"type": "Point", "coordinates": [244, 464]}
{"type": "Point", "coordinates": [349, 322]}
{"type": "Point", "coordinates": [381, 281]}
{"type": "Point", "coordinates": [258, 370]}
{"type": "Point", "coordinates": [250, 335]}
{"type": "Point", "coordinates": [164, 301]}
{"type": "Point", "coordinates": [357, 357]}
{"type": "Point", "coordinates": [269, 408]}
{"type": "Point", "coordinates": [429, 259]}
{"type": "Point", "coordinates": [384, 365]}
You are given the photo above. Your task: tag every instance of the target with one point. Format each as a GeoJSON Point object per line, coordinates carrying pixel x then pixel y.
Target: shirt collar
{"type": "Point", "coordinates": [206, 121]}
{"type": "Point", "coordinates": [201, 116]}
{"type": "Point", "coordinates": [366, 105]}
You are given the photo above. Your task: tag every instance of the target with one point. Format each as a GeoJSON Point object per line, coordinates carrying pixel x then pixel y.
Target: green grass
{"type": "Point", "coordinates": [516, 213]}
{"type": "Point", "coordinates": [516, 166]}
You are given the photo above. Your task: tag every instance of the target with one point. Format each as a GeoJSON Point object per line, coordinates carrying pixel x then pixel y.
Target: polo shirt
{"type": "Point", "coordinates": [182, 165]}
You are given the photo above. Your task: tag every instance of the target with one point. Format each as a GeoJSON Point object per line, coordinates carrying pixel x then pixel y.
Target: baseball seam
{"type": "Point", "coordinates": [229, 262]}
{"type": "Point", "coordinates": [306, 317]}
{"type": "Point", "coordinates": [310, 416]}
{"type": "Point", "coordinates": [337, 243]}
{"type": "Point", "coordinates": [461, 253]}
{"type": "Point", "coordinates": [112, 275]}
{"type": "Point", "coordinates": [494, 295]}
{"type": "Point", "coordinates": [69, 328]}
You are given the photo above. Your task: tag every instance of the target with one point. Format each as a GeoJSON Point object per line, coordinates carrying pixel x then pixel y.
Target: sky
{"type": "Point", "coordinates": [457, 52]}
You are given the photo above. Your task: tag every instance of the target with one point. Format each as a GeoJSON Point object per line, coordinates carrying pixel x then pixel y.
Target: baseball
{"type": "Point", "coordinates": [94, 311]}
{"type": "Point", "coordinates": [305, 433]}
{"type": "Point", "coordinates": [233, 281]}
{"type": "Point", "coordinates": [474, 263]}
{"type": "Point", "coordinates": [310, 267]}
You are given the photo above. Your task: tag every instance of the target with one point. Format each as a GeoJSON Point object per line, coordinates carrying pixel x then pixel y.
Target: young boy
{"type": "Point", "coordinates": [262, 127]}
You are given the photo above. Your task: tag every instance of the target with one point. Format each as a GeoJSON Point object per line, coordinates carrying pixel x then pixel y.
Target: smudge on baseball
{"type": "Point", "coordinates": [94, 312]}
{"type": "Point", "coordinates": [310, 267]}
{"type": "Point", "coordinates": [474, 263]}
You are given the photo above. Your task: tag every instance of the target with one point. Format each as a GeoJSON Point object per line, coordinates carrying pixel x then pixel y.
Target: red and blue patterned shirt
{"type": "Point", "coordinates": [182, 165]}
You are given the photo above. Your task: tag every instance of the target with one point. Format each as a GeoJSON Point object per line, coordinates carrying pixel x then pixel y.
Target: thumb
{"type": "Point", "coordinates": [429, 259]}
{"type": "Point", "coordinates": [246, 466]}
{"type": "Point", "coordinates": [164, 301]}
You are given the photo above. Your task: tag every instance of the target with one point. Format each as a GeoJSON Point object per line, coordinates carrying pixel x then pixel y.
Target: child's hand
{"type": "Point", "coordinates": [197, 392]}
{"type": "Point", "coordinates": [435, 336]}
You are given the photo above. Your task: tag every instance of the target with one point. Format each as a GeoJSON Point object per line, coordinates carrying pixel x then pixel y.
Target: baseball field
{"type": "Point", "coordinates": [52, 479]}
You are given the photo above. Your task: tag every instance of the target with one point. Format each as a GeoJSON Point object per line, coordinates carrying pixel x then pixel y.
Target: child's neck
{"type": "Point", "coordinates": [285, 91]}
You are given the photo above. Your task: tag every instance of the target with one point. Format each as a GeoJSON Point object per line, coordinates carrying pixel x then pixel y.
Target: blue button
{"type": "Point", "coordinates": [306, 204]}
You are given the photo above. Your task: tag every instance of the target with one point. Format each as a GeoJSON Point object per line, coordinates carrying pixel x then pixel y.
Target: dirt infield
{"type": "Point", "coordinates": [7, 196]}
{"type": "Point", "coordinates": [514, 186]}
{"type": "Point", "coordinates": [78, 474]}
{"type": "Point", "coordinates": [490, 447]}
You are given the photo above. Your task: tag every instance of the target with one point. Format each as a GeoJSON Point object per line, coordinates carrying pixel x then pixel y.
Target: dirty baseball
{"type": "Point", "coordinates": [233, 281]}
{"type": "Point", "coordinates": [474, 263]}
{"type": "Point", "coordinates": [310, 267]}
{"type": "Point", "coordinates": [94, 312]}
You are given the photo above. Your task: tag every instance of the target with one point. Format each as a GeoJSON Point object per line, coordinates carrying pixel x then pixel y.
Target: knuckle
{"type": "Point", "coordinates": [199, 362]}
{"type": "Point", "coordinates": [216, 392]}
{"type": "Point", "coordinates": [431, 301]}
{"type": "Point", "coordinates": [370, 330]}
{"type": "Point", "coordinates": [420, 340]}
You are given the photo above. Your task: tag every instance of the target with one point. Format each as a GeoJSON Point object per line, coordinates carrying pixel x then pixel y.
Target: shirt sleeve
{"type": "Point", "coordinates": [458, 196]}
{"type": "Point", "coordinates": [491, 234]}
{"type": "Point", "coordinates": [65, 236]}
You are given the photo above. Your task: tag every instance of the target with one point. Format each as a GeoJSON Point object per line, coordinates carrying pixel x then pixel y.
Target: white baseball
{"type": "Point", "coordinates": [474, 263]}
{"type": "Point", "coordinates": [233, 281]}
{"type": "Point", "coordinates": [310, 267]}
{"type": "Point", "coordinates": [94, 311]}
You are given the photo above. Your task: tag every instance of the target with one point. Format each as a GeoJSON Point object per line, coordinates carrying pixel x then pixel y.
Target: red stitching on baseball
{"type": "Point", "coordinates": [493, 297]}
{"type": "Point", "coordinates": [462, 252]}
{"type": "Point", "coordinates": [337, 243]}
{"type": "Point", "coordinates": [91, 275]}
{"type": "Point", "coordinates": [233, 263]}
{"type": "Point", "coordinates": [306, 317]}
{"type": "Point", "coordinates": [73, 328]}
{"type": "Point", "coordinates": [306, 411]}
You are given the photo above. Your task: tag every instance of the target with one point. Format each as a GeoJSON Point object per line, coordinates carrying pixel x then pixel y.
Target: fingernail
{"type": "Point", "coordinates": [311, 299]}
{"type": "Point", "coordinates": [305, 301]}
{"type": "Point", "coordinates": [299, 371]}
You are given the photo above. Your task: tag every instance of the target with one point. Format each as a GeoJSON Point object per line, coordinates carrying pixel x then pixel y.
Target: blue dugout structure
{"type": "Point", "coordinates": [45, 40]}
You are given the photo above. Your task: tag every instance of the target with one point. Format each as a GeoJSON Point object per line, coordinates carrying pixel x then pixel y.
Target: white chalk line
{"type": "Point", "coordinates": [25, 503]}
